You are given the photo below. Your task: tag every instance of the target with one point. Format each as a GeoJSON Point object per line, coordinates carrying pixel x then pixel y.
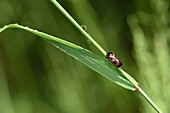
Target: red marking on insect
{"type": "Point", "coordinates": [113, 58]}
{"type": "Point", "coordinates": [137, 89]}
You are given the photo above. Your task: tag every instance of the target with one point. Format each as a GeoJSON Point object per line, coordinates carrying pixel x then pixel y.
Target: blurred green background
{"type": "Point", "coordinates": [36, 77]}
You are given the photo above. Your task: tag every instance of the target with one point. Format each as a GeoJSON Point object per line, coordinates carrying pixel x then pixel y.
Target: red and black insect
{"type": "Point", "coordinates": [113, 58]}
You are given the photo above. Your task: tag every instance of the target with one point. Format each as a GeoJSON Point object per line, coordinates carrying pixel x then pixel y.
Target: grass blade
{"type": "Point", "coordinates": [98, 64]}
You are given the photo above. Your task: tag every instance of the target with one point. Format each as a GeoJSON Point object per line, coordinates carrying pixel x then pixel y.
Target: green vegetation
{"type": "Point", "coordinates": [43, 81]}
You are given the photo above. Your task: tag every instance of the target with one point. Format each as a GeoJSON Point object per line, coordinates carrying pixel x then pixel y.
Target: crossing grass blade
{"type": "Point", "coordinates": [96, 63]}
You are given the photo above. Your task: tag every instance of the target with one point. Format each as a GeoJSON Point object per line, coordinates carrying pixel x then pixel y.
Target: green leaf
{"type": "Point", "coordinates": [96, 63]}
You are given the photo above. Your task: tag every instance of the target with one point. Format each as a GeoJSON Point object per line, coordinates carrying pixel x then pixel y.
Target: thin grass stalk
{"type": "Point", "coordinates": [78, 26]}
{"type": "Point", "coordinates": [149, 100]}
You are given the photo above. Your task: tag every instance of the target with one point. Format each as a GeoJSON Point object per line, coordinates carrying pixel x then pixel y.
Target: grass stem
{"type": "Point", "coordinates": [78, 26]}
{"type": "Point", "coordinates": [149, 100]}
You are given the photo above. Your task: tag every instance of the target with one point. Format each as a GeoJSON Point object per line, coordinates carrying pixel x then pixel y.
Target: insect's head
{"type": "Point", "coordinates": [108, 54]}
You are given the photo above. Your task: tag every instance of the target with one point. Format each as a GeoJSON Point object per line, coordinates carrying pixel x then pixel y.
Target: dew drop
{"type": "Point", "coordinates": [84, 27]}
{"type": "Point", "coordinates": [88, 41]}
{"type": "Point", "coordinates": [26, 26]}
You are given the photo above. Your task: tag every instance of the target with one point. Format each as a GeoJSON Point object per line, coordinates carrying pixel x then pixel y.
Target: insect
{"type": "Point", "coordinates": [113, 58]}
